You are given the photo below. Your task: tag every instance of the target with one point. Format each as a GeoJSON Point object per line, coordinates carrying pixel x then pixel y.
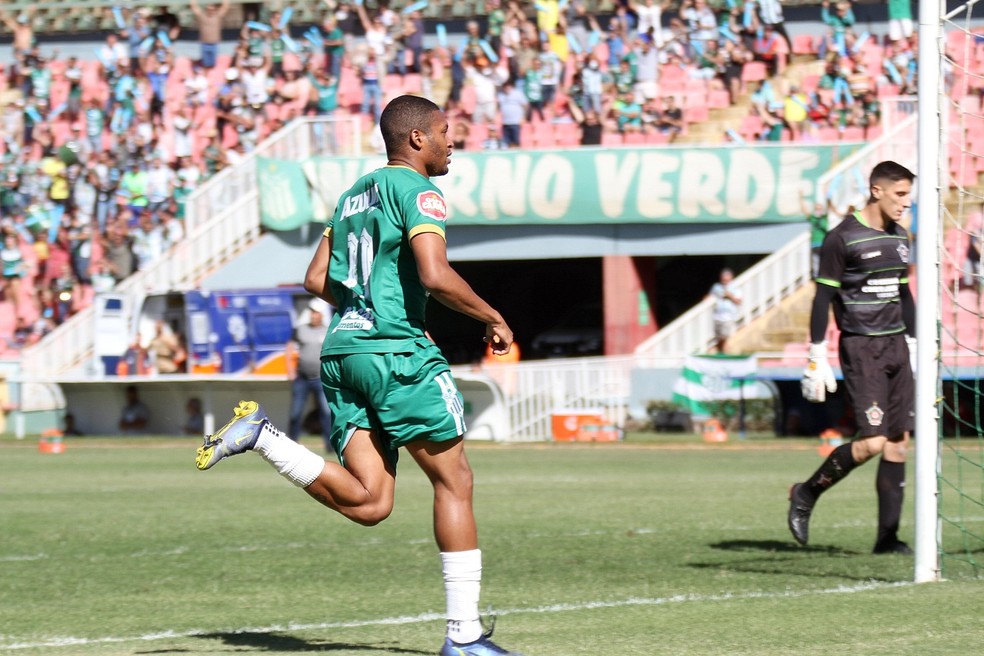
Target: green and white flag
{"type": "Point", "coordinates": [714, 378]}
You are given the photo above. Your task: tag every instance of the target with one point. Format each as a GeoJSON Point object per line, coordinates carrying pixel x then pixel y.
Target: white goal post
{"type": "Point", "coordinates": [930, 173]}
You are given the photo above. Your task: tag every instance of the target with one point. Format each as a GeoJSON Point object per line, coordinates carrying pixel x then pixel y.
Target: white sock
{"type": "Point", "coordinates": [293, 460]}
{"type": "Point", "coordinates": [462, 585]}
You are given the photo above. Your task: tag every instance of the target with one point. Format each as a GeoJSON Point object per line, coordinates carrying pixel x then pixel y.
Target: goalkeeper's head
{"type": "Point", "coordinates": [890, 188]}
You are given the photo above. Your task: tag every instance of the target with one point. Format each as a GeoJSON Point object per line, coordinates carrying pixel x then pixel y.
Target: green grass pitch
{"type": "Point", "coordinates": [123, 547]}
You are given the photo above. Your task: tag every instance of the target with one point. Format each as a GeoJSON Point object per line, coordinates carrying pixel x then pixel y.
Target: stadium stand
{"type": "Point", "coordinates": [100, 149]}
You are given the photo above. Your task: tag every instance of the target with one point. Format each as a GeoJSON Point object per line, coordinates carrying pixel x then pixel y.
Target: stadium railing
{"type": "Point", "coordinates": [223, 218]}
{"type": "Point", "coordinates": [846, 184]}
{"type": "Point", "coordinates": [535, 392]}
{"type": "Point", "coordinates": [763, 285]}
{"type": "Point", "coordinates": [767, 283]}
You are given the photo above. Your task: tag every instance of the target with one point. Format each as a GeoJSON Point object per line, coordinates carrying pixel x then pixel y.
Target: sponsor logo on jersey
{"type": "Point", "coordinates": [431, 204]}
{"type": "Point", "coordinates": [874, 415]}
{"type": "Point", "coordinates": [882, 287]}
{"type": "Point", "coordinates": [360, 202]}
{"type": "Point", "coordinates": [870, 254]}
{"type": "Point", "coordinates": [356, 319]}
{"type": "Point", "coordinates": [903, 250]}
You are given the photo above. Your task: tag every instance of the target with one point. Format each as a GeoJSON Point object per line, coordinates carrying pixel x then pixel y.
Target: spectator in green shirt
{"type": "Point", "coordinates": [334, 45]}
{"type": "Point", "coordinates": [133, 186]}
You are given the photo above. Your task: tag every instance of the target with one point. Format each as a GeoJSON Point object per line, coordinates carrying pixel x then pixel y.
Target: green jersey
{"type": "Point", "coordinates": [497, 18]}
{"type": "Point", "coordinates": [372, 269]}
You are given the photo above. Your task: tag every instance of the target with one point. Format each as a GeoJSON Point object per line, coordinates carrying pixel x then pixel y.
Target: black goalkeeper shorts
{"type": "Point", "coordinates": [879, 384]}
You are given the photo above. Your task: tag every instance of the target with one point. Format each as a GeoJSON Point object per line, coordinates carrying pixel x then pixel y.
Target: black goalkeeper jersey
{"type": "Point", "coordinates": [868, 267]}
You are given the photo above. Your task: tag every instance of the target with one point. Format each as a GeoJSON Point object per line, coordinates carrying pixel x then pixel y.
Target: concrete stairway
{"type": "Point", "coordinates": [787, 322]}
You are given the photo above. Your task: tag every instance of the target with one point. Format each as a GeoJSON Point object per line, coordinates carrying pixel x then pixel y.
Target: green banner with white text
{"type": "Point", "coordinates": [744, 184]}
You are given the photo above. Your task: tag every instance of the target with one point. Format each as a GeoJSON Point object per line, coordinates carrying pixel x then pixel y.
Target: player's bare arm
{"type": "Point", "coordinates": [450, 289]}
{"type": "Point", "coordinates": [316, 277]}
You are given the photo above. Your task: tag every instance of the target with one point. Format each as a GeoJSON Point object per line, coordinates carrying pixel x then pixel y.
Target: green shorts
{"type": "Point", "coordinates": [402, 396]}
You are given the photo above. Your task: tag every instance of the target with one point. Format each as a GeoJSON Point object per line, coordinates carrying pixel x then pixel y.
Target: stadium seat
{"type": "Point", "coordinates": [611, 139]}
{"type": "Point", "coordinates": [718, 99]}
{"type": "Point", "coordinates": [696, 114]}
{"type": "Point", "coordinates": [751, 127]}
{"type": "Point", "coordinates": [753, 71]}
{"type": "Point", "coordinates": [695, 98]}
{"type": "Point", "coordinates": [803, 44]}
{"type": "Point", "coordinates": [634, 139]}
{"type": "Point", "coordinates": [526, 135]}
{"type": "Point", "coordinates": [888, 90]}
{"type": "Point", "coordinates": [569, 134]}
{"type": "Point", "coordinates": [656, 137]}
{"type": "Point", "coordinates": [809, 83]}
{"type": "Point", "coordinates": [852, 133]}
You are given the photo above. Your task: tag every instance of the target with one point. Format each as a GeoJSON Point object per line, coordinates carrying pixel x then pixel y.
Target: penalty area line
{"type": "Point", "coordinates": [69, 641]}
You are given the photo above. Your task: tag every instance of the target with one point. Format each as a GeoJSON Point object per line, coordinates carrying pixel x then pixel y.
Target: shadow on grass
{"type": "Point", "coordinates": [782, 558]}
{"type": "Point", "coordinates": [777, 546]}
{"type": "Point", "coordinates": [288, 643]}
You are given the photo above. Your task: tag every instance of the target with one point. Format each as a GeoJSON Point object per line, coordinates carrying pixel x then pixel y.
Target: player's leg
{"type": "Point", "coordinates": [865, 390]}
{"type": "Point", "coordinates": [446, 465]}
{"type": "Point", "coordinates": [450, 474]}
{"type": "Point", "coordinates": [890, 481]}
{"type": "Point", "coordinates": [447, 468]}
{"type": "Point", "coordinates": [890, 485]}
{"type": "Point", "coordinates": [426, 416]}
{"type": "Point", "coordinates": [363, 489]}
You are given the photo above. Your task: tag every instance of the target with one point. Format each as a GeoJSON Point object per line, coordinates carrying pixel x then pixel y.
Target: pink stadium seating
{"type": "Point", "coordinates": [852, 133]}
{"type": "Point", "coordinates": [750, 127]}
{"type": "Point", "coordinates": [718, 99]}
{"type": "Point", "coordinates": [567, 134]}
{"type": "Point", "coordinates": [611, 139]}
{"type": "Point", "coordinates": [753, 72]}
{"type": "Point", "coordinates": [803, 44]}
{"type": "Point", "coordinates": [696, 114]}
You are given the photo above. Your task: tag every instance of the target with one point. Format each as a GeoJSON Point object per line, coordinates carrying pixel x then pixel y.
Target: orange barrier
{"type": "Point", "coordinates": [830, 439]}
{"type": "Point", "coordinates": [51, 442]}
{"type": "Point", "coordinates": [714, 431]}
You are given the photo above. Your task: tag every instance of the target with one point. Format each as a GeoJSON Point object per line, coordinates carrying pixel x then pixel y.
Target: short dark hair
{"type": "Point", "coordinates": [891, 171]}
{"type": "Point", "coordinates": [402, 115]}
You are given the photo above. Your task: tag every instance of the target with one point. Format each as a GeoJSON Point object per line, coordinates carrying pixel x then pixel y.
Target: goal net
{"type": "Point", "coordinates": [959, 55]}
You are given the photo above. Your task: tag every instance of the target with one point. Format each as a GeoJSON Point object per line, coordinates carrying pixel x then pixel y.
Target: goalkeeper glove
{"type": "Point", "coordinates": [911, 343]}
{"type": "Point", "coordinates": [818, 379]}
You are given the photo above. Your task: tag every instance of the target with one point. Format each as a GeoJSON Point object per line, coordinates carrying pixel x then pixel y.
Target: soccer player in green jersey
{"type": "Point", "coordinates": [864, 273]}
{"type": "Point", "coordinates": [383, 253]}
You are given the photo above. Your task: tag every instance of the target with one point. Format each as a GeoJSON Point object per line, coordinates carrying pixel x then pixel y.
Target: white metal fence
{"type": "Point", "coordinates": [537, 391]}
{"type": "Point", "coordinates": [763, 286]}
{"type": "Point", "coordinates": [767, 283]}
{"type": "Point", "coordinates": [222, 219]}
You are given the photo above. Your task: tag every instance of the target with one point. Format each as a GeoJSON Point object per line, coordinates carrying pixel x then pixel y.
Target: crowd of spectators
{"type": "Point", "coordinates": [100, 153]}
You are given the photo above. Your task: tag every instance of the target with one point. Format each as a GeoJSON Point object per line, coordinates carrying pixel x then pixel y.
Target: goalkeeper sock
{"type": "Point", "coordinates": [837, 465]}
{"type": "Point", "coordinates": [890, 483]}
{"type": "Point", "coordinates": [292, 459]}
{"type": "Point", "coordinates": [462, 586]}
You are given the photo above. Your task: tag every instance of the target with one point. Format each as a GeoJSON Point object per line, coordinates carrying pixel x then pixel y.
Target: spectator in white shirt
{"type": "Point", "coordinates": [160, 184]}
{"type": "Point", "coordinates": [113, 55]}
{"type": "Point", "coordinates": [485, 83]}
{"type": "Point", "coordinates": [650, 16]}
{"type": "Point", "coordinates": [148, 241]}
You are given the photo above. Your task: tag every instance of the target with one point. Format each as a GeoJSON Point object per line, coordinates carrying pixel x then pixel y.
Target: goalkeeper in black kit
{"type": "Point", "coordinates": [863, 272]}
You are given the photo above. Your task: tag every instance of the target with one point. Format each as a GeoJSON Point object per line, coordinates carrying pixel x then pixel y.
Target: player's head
{"type": "Point", "coordinates": [416, 129]}
{"type": "Point", "coordinates": [890, 187]}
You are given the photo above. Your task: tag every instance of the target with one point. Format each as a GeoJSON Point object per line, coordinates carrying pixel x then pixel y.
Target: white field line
{"type": "Point", "coordinates": [181, 550]}
{"type": "Point", "coordinates": [69, 641]}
